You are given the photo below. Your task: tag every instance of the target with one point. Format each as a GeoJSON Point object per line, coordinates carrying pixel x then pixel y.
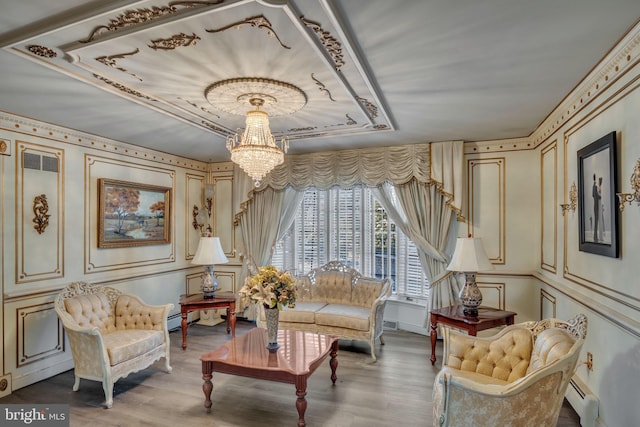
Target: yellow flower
{"type": "Point", "coordinates": [269, 287]}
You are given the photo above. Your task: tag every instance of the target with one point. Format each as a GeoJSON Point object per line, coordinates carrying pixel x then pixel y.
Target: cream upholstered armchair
{"type": "Point", "coordinates": [111, 334]}
{"type": "Point", "coordinates": [516, 378]}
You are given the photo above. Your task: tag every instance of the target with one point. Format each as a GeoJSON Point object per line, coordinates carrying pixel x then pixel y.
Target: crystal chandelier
{"type": "Point", "coordinates": [256, 151]}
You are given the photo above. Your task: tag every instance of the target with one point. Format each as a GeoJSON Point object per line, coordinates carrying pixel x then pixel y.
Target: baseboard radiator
{"type": "Point", "coordinates": [583, 401]}
{"type": "Point", "coordinates": [391, 325]}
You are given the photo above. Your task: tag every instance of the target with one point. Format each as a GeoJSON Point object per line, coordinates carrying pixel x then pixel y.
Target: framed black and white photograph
{"type": "Point", "coordinates": [597, 187]}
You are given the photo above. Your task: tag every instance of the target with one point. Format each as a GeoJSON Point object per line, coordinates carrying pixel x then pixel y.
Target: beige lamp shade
{"type": "Point", "coordinates": [209, 252]}
{"type": "Point", "coordinates": [469, 256]}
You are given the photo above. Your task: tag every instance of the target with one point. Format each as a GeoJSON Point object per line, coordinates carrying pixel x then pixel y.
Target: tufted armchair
{"type": "Point", "coordinates": [516, 378]}
{"type": "Point", "coordinates": [111, 334]}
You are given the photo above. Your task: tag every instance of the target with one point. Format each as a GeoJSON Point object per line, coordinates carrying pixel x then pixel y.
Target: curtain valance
{"type": "Point", "coordinates": [438, 163]}
{"type": "Point", "coordinates": [371, 166]}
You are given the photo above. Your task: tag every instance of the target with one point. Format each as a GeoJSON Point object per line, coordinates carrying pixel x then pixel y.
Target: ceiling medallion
{"type": "Point", "coordinates": [234, 96]}
{"type": "Point", "coordinates": [255, 149]}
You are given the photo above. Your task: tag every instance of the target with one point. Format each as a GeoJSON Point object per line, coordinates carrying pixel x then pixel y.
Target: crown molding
{"type": "Point", "coordinates": [616, 64]}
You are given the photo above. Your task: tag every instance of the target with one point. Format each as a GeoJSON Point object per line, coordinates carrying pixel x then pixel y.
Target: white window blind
{"type": "Point", "coordinates": [350, 226]}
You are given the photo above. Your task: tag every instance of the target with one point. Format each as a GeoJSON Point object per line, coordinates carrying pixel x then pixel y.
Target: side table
{"type": "Point", "coordinates": [199, 302]}
{"type": "Point", "coordinates": [453, 315]}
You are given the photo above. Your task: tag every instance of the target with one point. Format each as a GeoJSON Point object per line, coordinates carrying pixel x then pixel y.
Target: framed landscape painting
{"type": "Point", "coordinates": [598, 211]}
{"type": "Point", "coordinates": [132, 214]}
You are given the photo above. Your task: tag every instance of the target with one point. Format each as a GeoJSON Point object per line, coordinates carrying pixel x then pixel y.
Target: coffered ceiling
{"type": "Point", "coordinates": [179, 76]}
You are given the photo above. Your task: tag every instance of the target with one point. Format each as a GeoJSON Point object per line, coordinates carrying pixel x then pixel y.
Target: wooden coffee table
{"type": "Point", "coordinates": [199, 302]}
{"type": "Point", "coordinates": [299, 355]}
{"type": "Point", "coordinates": [453, 315]}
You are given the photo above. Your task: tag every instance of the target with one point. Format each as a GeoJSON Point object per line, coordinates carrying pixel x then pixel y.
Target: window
{"type": "Point", "coordinates": [350, 225]}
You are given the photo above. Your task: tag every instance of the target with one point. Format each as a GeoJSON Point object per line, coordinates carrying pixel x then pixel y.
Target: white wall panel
{"type": "Point", "coordinates": [112, 259]}
{"type": "Point", "coordinates": [486, 204]}
{"type": "Point", "coordinates": [39, 173]}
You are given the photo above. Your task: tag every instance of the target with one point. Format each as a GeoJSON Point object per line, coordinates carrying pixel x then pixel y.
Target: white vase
{"type": "Point", "coordinates": [271, 315]}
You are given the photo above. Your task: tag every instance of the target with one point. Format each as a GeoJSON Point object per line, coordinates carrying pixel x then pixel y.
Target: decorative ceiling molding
{"type": "Point", "coordinates": [111, 61]}
{"type": "Point", "coordinates": [175, 41]}
{"type": "Point", "coordinates": [330, 43]}
{"type": "Point", "coordinates": [257, 22]}
{"type": "Point", "coordinates": [134, 17]}
{"type": "Point", "coordinates": [183, 60]}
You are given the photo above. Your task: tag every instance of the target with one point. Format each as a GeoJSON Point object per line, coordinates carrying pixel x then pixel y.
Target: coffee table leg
{"type": "Point", "coordinates": [334, 361]}
{"type": "Point", "coordinates": [184, 329]}
{"type": "Point", "coordinates": [207, 387]}
{"type": "Point", "coordinates": [434, 337]}
{"type": "Point", "coordinates": [232, 317]}
{"type": "Point", "coordinates": [301, 402]}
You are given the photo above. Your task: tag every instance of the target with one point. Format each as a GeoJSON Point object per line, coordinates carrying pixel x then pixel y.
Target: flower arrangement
{"type": "Point", "coordinates": [269, 287]}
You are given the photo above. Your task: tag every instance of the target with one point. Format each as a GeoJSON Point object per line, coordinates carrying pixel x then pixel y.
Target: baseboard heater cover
{"type": "Point", "coordinates": [583, 401]}
{"type": "Point", "coordinates": [391, 325]}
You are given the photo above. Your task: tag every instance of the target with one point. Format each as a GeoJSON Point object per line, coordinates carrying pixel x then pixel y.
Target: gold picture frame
{"type": "Point", "coordinates": [132, 214]}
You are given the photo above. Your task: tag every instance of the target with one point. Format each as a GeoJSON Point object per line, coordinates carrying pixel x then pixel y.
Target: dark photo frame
{"type": "Point", "coordinates": [597, 187]}
{"type": "Point", "coordinates": [132, 214]}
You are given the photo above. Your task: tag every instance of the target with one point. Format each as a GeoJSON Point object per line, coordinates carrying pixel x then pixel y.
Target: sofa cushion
{"type": "Point", "coordinates": [91, 310]}
{"type": "Point", "coordinates": [125, 345]}
{"type": "Point", "coordinates": [304, 312]}
{"type": "Point", "coordinates": [550, 345]}
{"type": "Point", "coordinates": [344, 316]}
{"type": "Point", "coordinates": [506, 358]}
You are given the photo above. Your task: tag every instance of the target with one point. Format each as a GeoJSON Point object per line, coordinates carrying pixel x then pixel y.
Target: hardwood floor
{"type": "Point", "coordinates": [396, 390]}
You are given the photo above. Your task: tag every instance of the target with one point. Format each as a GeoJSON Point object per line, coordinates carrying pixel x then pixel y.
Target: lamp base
{"type": "Point", "coordinates": [470, 296]}
{"type": "Point", "coordinates": [470, 312]}
{"type": "Point", "coordinates": [209, 284]}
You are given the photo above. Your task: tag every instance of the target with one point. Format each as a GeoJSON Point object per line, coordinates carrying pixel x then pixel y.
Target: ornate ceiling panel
{"type": "Point", "coordinates": [197, 61]}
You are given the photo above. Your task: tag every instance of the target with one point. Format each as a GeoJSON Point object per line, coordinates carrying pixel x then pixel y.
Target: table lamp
{"type": "Point", "coordinates": [209, 252]}
{"type": "Point", "coordinates": [469, 257]}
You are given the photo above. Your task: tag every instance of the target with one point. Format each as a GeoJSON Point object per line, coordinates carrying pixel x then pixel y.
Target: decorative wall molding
{"type": "Point", "coordinates": [547, 305]}
{"type": "Point", "coordinates": [42, 322]}
{"type": "Point", "coordinates": [571, 139]}
{"type": "Point", "coordinates": [39, 170]}
{"type": "Point", "coordinates": [122, 259]}
{"type": "Point", "coordinates": [26, 126]}
{"type": "Point", "coordinates": [493, 291]}
{"type": "Point", "coordinates": [548, 211]}
{"type": "Point", "coordinates": [487, 219]}
{"type": "Point", "coordinates": [630, 325]}
{"type": "Point", "coordinates": [498, 146]}
{"type": "Point", "coordinates": [614, 66]}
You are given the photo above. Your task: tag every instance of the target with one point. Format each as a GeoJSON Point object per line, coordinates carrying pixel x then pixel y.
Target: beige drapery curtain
{"type": "Point", "coordinates": [428, 179]}
{"type": "Point", "coordinates": [267, 215]}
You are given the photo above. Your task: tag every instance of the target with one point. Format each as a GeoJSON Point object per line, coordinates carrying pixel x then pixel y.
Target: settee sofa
{"type": "Point", "coordinates": [335, 299]}
{"type": "Point", "coordinates": [516, 378]}
{"type": "Point", "coordinates": [111, 334]}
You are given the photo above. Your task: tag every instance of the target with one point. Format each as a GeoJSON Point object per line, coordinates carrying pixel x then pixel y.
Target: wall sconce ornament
{"type": "Point", "coordinates": [40, 210]}
{"type": "Point", "coordinates": [573, 200]}
{"type": "Point", "coordinates": [198, 215]}
{"type": "Point", "coordinates": [635, 185]}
